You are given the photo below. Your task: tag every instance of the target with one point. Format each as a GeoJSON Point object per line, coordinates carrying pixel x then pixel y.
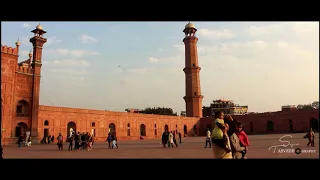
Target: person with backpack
{"type": "Point", "coordinates": [60, 142]}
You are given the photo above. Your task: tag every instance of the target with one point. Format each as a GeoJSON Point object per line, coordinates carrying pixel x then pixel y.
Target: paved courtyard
{"type": "Point", "coordinates": [191, 147]}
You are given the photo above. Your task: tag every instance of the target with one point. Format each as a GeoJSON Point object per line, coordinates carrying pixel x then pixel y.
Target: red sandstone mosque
{"type": "Point", "coordinates": [21, 112]}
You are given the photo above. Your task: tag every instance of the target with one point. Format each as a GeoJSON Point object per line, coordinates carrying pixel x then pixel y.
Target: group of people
{"type": "Point", "coordinates": [228, 139]}
{"type": "Point", "coordinates": [83, 141]}
{"type": "Point", "coordinates": [169, 139]}
{"type": "Point", "coordinates": [47, 139]}
{"type": "Point", "coordinates": [24, 141]}
{"type": "Point", "coordinates": [77, 142]}
{"type": "Point", "coordinates": [112, 141]}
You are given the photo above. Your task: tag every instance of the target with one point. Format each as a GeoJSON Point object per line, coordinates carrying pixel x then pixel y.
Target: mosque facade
{"type": "Point", "coordinates": [21, 112]}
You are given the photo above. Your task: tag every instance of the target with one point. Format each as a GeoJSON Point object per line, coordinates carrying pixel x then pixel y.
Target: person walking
{"type": "Point", "coordinates": [165, 138]}
{"type": "Point", "coordinates": [310, 137]}
{"type": "Point", "coordinates": [52, 138]}
{"type": "Point", "coordinates": [20, 140]}
{"type": "Point", "coordinates": [114, 141]}
{"type": "Point", "coordinates": [174, 139]}
{"type": "Point", "coordinates": [171, 139]}
{"type": "Point", "coordinates": [109, 140]}
{"type": "Point", "coordinates": [60, 142]}
{"type": "Point", "coordinates": [71, 140]}
{"type": "Point", "coordinates": [208, 139]}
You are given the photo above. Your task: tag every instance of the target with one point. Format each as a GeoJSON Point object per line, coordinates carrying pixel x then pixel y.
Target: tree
{"type": "Point", "coordinates": [305, 107]}
{"type": "Point", "coordinates": [315, 104]}
{"type": "Point", "coordinates": [159, 110]}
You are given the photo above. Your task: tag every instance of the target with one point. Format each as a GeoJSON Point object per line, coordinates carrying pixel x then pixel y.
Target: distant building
{"type": "Point", "coordinates": [226, 106]}
{"type": "Point", "coordinates": [132, 110]}
{"type": "Point", "coordinates": [288, 108]}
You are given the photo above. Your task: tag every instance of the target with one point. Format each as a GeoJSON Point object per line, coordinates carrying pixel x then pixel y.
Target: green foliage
{"type": "Point", "coordinates": [159, 110]}
{"type": "Point", "coordinates": [308, 106]}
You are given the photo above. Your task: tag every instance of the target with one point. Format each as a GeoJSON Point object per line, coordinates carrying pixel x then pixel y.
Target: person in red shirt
{"type": "Point", "coordinates": [243, 137]}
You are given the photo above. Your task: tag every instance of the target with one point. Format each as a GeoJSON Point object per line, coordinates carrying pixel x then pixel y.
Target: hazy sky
{"type": "Point", "coordinates": [262, 65]}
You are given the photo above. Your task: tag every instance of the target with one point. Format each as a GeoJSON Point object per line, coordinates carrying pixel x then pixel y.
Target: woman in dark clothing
{"type": "Point", "coordinates": [71, 139]}
{"type": "Point", "coordinates": [109, 139]}
{"type": "Point", "coordinates": [78, 142]}
{"type": "Point", "coordinates": [76, 139]}
{"type": "Point", "coordinates": [165, 138]}
{"type": "Point", "coordinates": [83, 141]}
{"type": "Point", "coordinates": [92, 139]}
{"type": "Point", "coordinates": [20, 140]}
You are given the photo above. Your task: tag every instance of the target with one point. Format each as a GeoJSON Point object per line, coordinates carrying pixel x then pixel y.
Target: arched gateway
{"type": "Point", "coordinates": [71, 128]}
{"type": "Point", "coordinates": [314, 124]}
{"type": "Point", "coordinates": [166, 127]}
{"type": "Point", "coordinates": [143, 130]}
{"type": "Point", "coordinates": [21, 129]}
{"type": "Point", "coordinates": [185, 130]}
{"type": "Point", "coordinates": [112, 128]}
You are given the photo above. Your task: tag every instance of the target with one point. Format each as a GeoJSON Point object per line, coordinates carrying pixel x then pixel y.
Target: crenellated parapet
{"type": "Point", "coordinates": [9, 50]}
{"type": "Point", "coordinates": [24, 67]}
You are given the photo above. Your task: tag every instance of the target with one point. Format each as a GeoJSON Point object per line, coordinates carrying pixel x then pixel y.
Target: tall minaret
{"type": "Point", "coordinates": [193, 96]}
{"type": "Point", "coordinates": [37, 41]}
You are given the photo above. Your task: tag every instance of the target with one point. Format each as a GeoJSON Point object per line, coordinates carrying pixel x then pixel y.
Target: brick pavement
{"type": "Point", "coordinates": [192, 147]}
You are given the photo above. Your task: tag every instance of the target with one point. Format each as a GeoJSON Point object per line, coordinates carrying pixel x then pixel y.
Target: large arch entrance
{"type": "Point", "coordinates": [290, 125]}
{"type": "Point", "coordinates": [185, 130]}
{"type": "Point", "coordinates": [128, 129]}
{"type": "Point", "coordinates": [112, 128]}
{"type": "Point", "coordinates": [314, 124]}
{"type": "Point", "coordinates": [251, 127]}
{"type": "Point", "coordinates": [143, 130]}
{"type": "Point", "coordinates": [166, 127]}
{"type": "Point", "coordinates": [21, 129]}
{"type": "Point", "coordinates": [71, 128]}
{"type": "Point", "coordinates": [270, 126]}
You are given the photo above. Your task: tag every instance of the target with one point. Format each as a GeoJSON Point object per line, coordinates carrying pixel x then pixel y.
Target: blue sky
{"type": "Point", "coordinates": [262, 65]}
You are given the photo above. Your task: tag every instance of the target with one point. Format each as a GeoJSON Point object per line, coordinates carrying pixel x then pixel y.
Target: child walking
{"type": "Point", "coordinates": [243, 138]}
